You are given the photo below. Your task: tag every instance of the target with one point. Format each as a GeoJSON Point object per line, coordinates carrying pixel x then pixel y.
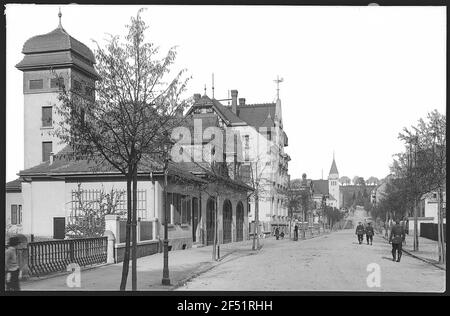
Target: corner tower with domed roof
{"type": "Point", "coordinates": [48, 56]}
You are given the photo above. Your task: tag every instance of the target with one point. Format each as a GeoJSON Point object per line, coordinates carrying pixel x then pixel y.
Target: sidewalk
{"type": "Point", "coordinates": [428, 250]}
{"type": "Point", "coordinates": [183, 265]}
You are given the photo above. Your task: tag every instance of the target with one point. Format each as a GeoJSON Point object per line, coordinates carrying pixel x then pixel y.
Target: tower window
{"type": "Point", "coordinates": [76, 85]}
{"type": "Point", "coordinates": [47, 148]}
{"type": "Point", "coordinates": [37, 84]}
{"type": "Point", "coordinates": [47, 116]}
{"type": "Point", "coordinates": [56, 83]}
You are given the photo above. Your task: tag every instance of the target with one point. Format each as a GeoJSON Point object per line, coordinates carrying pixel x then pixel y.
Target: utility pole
{"type": "Point", "coordinates": [256, 229]}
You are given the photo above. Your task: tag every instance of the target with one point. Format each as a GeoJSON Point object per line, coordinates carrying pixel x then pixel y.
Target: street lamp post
{"type": "Point", "coordinates": [166, 279]}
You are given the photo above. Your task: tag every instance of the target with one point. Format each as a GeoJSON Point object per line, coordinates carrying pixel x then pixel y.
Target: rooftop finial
{"type": "Point", "coordinates": [278, 81]}
{"type": "Point", "coordinates": [59, 16]}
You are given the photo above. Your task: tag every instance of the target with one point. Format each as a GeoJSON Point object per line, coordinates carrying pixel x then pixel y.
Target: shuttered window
{"type": "Point", "coordinates": [14, 214]}
{"type": "Point", "coordinates": [47, 148]}
{"type": "Point", "coordinates": [47, 116]}
{"type": "Point", "coordinates": [37, 84]}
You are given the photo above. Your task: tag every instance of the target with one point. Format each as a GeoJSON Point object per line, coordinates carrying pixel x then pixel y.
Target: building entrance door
{"type": "Point", "coordinates": [227, 221]}
{"type": "Point", "coordinates": [240, 222]}
{"type": "Point", "coordinates": [195, 217]}
{"type": "Point", "coordinates": [210, 221]}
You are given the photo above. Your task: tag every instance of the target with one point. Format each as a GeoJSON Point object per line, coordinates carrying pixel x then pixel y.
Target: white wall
{"type": "Point", "coordinates": [48, 201]}
{"type": "Point", "coordinates": [34, 100]}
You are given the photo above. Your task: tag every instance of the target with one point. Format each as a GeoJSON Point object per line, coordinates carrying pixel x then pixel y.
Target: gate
{"type": "Point", "coordinates": [227, 221]}
{"type": "Point", "coordinates": [240, 222]}
{"type": "Point", "coordinates": [210, 221]}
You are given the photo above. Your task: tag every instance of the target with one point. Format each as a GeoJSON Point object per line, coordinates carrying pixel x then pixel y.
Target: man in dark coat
{"type": "Point", "coordinates": [397, 237]}
{"type": "Point", "coordinates": [296, 232]}
{"type": "Point", "coordinates": [360, 232]}
{"type": "Point", "coordinates": [277, 233]}
{"type": "Point", "coordinates": [369, 233]}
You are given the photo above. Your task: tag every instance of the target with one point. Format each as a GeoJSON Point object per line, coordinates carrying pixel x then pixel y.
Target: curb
{"type": "Point", "coordinates": [424, 260]}
{"type": "Point", "coordinates": [408, 252]}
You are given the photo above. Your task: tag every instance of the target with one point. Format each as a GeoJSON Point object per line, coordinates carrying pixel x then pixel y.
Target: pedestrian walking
{"type": "Point", "coordinates": [397, 237]}
{"type": "Point", "coordinates": [296, 232]}
{"type": "Point", "coordinates": [369, 233]}
{"type": "Point", "coordinates": [360, 232]}
{"type": "Point", "coordinates": [12, 265]}
{"type": "Point", "coordinates": [277, 233]}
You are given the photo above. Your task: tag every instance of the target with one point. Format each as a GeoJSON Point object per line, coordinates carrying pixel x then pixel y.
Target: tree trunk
{"type": "Point", "coordinates": [134, 234]}
{"type": "Point", "coordinates": [217, 228]}
{"type": "Point", "coordinates": [441, 244]}
{"type": "Point", "coordinates": [126, 258]}
{"type": "Point", "coordinates": [416, 231]}
{"type": "Point", "coordinates": [256, 228]}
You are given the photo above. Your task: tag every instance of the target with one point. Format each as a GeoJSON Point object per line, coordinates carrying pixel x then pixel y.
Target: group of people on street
{"type": "Point", "coordinates": [396, 237]}
{"type": "Point", "coordinates": [278, 234]}
{"type": "Point", "coordinates": [367, 230]}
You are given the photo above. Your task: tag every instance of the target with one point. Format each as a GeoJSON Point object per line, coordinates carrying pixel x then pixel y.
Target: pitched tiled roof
{"type": "Point", "coordinates": [223, 111]}
{"type": "Point", "coordinates": [256, 114]}
{"type": "Point", "coordinates": [14, 186]}
{"type": "Point", "coordinates": [64, 164]}
{"type": "Point", "coordinates": [205, 169]}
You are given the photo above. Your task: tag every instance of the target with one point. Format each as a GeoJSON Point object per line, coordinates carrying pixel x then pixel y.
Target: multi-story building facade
{"type": "Point", "coordinates": [262, 159]}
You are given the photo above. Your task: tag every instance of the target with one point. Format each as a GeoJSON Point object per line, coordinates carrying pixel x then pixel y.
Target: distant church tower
{"type": "Point", "coordinates": [333, 183]}
{"type": "Point", "coordinates": [69, 59]}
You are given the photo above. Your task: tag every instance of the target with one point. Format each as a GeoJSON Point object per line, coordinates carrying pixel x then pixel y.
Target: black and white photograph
{"type": "Point", "coordinates": [233, 148]}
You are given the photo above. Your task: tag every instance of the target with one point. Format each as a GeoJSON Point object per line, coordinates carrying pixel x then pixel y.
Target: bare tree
{"type": "Point", "coordinates": [137, 101]}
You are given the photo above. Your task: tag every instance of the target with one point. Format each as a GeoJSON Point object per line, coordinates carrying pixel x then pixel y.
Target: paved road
{"type": "Point", "coordinates": [334, 262]}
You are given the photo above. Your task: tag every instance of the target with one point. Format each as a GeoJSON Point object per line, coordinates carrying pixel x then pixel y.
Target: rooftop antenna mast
{"type": "Point", "coordinates": [213, 85]}
{"type": "Point", "coordinates": [278, 81]}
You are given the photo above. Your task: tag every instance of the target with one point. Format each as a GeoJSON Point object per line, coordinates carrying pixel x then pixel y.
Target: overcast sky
{"type": "Point", "coordinates": [353, 76]}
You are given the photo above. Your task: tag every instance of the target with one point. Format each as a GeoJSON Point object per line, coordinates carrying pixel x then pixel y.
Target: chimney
{"type": "Point", "coordinates": [241, 101]}
{"type": "Point", "coordinates": [234, 95]}
{"type": "Point", "coordinates": [197, 97]}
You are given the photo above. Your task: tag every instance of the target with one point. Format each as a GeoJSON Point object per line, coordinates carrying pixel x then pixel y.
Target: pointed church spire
{"type": "Point", "coordinates": [59, 16]}
{"type": "Point", "coordinates": [334, 169]}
